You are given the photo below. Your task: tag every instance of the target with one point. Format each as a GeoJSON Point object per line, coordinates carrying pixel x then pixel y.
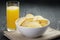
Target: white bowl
{"type": "Point", "coordinates": [31, 32]}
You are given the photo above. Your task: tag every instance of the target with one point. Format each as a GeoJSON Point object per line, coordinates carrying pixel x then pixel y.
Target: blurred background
{"type": "Point", "coordinates": [49, 9]}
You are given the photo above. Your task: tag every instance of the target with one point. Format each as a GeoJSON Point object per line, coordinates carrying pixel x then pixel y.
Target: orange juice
{"type": "Point", "coordinates": [12, 14]}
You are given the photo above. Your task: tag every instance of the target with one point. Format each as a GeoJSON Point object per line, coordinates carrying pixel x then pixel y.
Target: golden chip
{"type": "Point", "coordinates": [29, 16]}
{"type": "Point", "coordinates": [21, 20]}
{"type": "Point", "coordinates": [43, 22]}
{"type": "Point", "coordinates": [31, 24]}
{"type": "Point", "coordinates": [38, 17]}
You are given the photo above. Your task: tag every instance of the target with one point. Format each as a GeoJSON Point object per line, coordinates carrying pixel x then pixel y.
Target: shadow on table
{"type": "Point", "coordinates": [2, 37]}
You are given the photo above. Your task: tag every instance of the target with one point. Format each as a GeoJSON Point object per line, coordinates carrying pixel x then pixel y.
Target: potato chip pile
{"type": "Point", "coordinates": [33, 21]}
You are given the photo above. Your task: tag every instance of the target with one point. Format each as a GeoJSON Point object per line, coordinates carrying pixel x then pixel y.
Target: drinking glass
{"type": "Point", "coordinates": [12, 13]}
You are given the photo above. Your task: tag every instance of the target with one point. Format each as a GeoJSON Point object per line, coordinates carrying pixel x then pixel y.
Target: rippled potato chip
{"type": "Point", "coordinates": [31, 24]}
{"type": "Point", "coordinates": [43, 22]}
{"type": "Point", "coordinates": [29, 16]}
{"type": "Point", "coordinates": [21, 20]}
{"type": "Point", "coordinates": [38, 17]}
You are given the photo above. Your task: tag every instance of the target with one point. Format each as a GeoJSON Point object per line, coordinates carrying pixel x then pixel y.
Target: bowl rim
{"type": "Point", "coordinates": [16, 22]}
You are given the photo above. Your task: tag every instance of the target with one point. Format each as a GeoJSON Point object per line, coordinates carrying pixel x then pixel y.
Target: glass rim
{"type": "Point", "coordinates": [13, 2]}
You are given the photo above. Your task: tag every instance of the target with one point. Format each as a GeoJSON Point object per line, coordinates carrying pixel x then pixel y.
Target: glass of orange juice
{"type": "Point", "coordinates": [12, 13]}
